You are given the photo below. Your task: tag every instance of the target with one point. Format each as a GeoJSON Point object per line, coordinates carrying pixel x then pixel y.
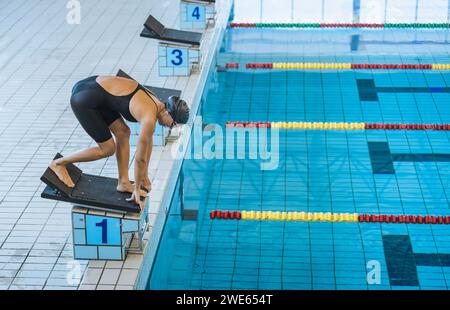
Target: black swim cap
{"type": "Point", "coordinates": [178, 109]}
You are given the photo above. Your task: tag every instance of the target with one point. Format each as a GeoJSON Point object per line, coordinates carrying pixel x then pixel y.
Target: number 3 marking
{"type": "Point", "coordinates": [178, 54]}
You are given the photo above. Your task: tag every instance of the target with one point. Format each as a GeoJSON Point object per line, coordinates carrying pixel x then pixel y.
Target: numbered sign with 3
{"type": "Point", "coordinates": [102, 230]}
{"type": "Point", "coordinates": [173, 60]}
{"type": "Point", "coordinates": [177, 57]}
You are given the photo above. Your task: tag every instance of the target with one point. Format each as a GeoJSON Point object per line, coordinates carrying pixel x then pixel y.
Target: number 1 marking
{"type": "Point", "coordinates": [104, 225]}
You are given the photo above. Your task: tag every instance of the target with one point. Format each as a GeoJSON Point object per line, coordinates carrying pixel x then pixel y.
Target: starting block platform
{"type": "Point", "coordinates": [104, 223]}
{"type": "Point", "coordinates": [153, 29]}
{"type": "Point", "coordinates": [94, 191]}
{"type": "Point", "coordinates": [178, 50]}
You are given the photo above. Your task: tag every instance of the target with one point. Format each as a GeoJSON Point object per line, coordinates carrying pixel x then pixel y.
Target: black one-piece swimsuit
{"type": "Point", "coordinates": [96, 109]}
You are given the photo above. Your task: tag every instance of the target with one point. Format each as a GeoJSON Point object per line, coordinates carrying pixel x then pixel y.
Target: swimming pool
{"type": "Point", "coordinates": [319, 170]}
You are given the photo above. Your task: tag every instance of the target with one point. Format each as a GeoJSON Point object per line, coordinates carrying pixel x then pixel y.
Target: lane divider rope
{"type": "Point", "coordinates": [337, 126]}
{"type": "Point", "coordinates": [232, 65]}
{"type": "Point", "coordinates": [339, 25]}
{"type": "Point", "coordinates": [337, 66]}
{"type": "Point", "coordinates": [328, 217]}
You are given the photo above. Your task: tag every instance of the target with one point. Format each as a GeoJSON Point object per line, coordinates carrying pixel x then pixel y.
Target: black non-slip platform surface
{"type": "Point", "coordinates": [89, 190]}
{"type": "Point", "coordinates": [155, 30]}
{"type": "Point", "coordinates": [176, 36]}
{"type": "Point", "coordinates": [180, 36]}
{"type": "Point", "coordinates": [94, 191]}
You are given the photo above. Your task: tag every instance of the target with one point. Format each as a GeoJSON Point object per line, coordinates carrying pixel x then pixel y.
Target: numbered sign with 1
{"type": "Point", "coordinates": [102, 230]}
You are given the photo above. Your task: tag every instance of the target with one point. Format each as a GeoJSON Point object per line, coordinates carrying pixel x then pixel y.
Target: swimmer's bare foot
{"type": "Point", "coordinates": [125, 187]}
{"type": "Point", "coordinates": [62, 173]}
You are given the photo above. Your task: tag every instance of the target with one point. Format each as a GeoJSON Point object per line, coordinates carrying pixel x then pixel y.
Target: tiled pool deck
{"type": "Point", "coordinates": [41, 57]}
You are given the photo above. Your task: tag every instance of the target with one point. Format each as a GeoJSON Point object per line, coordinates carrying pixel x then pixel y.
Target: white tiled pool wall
{"type": "Point", "coordinates": [214, 36]}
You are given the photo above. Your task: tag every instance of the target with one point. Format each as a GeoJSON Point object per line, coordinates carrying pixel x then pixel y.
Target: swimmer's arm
{"type": "Point", "coordinates": [149, 154]}
{"type": "Point", "coordinates": [143, 152]}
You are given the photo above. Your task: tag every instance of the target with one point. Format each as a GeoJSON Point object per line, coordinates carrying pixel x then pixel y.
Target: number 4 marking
{"type": "Point", "coordinates": [196, 13]}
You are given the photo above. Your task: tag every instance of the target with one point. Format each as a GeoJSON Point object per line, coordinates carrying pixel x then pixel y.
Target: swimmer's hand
{"type": "Point", "coordinates": [147, 185]}
{"type": "Point", "coordinates": [136, 197]}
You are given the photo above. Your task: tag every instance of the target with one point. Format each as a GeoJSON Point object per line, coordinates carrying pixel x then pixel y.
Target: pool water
{"type": "Point", "coordinates": [319, 171]}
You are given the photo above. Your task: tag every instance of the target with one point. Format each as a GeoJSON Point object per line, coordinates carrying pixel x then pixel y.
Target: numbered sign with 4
{"type": "Point", "coordinates": [194, 16]}
{"type": "Point", "coordinates": [195, 13]}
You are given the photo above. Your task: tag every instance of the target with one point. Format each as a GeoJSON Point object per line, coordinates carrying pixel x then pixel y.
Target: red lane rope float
{"type": "Point", "coordinates": [248, 124]}
{"type": "Point", "coordinates": [259, 66]}
{"type": "Point", "coordinates": [339, 25]}
{"type": "Point", "coordinates": [408, 126]}
{"type": "Point", "coordinates": [392, 66]}
{"type": "Point", "coordinates": [343, 66]}
{"type": "Point", "coordinates": [233, 65]}
{"type": "Point", "coordinates": [338, 126]}
{"type": "Point", "coordinates": [242, 25]}
{"type": "Point", "coordinates": [408, 219]}
{"type": "Point", "coordinates": [329, 217]}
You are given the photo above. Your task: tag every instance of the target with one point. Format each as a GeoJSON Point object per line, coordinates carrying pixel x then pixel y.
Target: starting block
{"type": "Point", "coordinates": [178, 50]}
{"type": "Point", "coordinates": [161, 133]}
{"type": "Point", "coordinates": [107, 235]}
{"type": "Point", "coordinates": [104, 223]}
{"type": "Point", "coordinates": [196, 14]}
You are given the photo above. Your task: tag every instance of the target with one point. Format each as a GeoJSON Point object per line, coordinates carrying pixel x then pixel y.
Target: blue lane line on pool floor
{"type": "Point", "coordinates": [354, 43]}
{"type": "Point", "coordinates": [382, 160]}
{"type": "Point", "coordinates": [402, 262]}
{"type": "Point", "coordinates": [401, 266]}
{"type": "Point", "coordinates": [369, 92]}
